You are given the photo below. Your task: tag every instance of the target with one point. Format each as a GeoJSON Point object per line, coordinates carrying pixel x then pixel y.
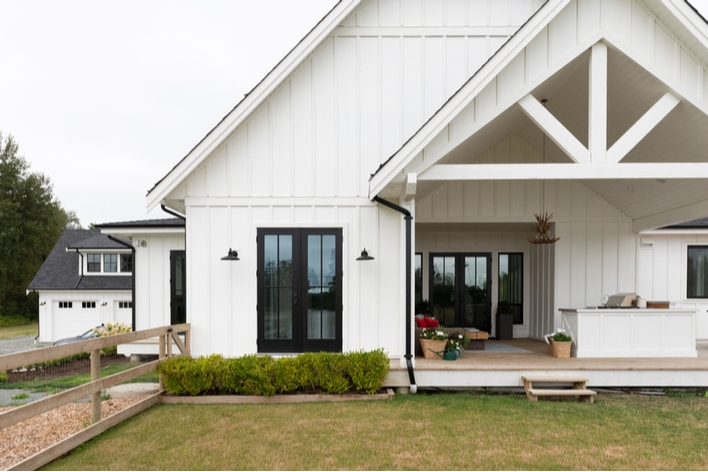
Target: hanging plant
{"type": "Point", "coordinates": [542, 230]}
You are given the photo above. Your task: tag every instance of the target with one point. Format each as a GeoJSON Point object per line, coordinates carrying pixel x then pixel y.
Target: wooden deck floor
{"type": "Point", "coordinates": [477, 368]}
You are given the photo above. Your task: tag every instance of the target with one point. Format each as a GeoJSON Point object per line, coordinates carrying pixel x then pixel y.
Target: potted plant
{"type": "Point", "coordinates": [433, 342]}
{"type": "Point", "coordinates": [559, 343]}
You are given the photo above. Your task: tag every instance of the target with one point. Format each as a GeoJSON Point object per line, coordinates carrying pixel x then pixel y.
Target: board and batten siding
{"type": "Point", "coordinates": [662, 270]}
{"type": "Point", "coordinates": [152, 278]}
{"type": "Point", "coordinates": [223, 295]}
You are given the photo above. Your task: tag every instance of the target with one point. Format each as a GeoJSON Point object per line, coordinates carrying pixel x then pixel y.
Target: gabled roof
{"type": "Point", "coordinates": [250, 102]}
{"type": "Point", "coordinates": [60, 270]}
{"type": "Point", "coordinates": [98, 241]}
{"type": "Point", "coordinates": [394, 166]}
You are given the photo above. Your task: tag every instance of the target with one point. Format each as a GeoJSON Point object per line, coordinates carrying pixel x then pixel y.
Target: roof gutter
{"type": "Point", "coordinates": [409, 247]}
{"type": "Point", "coordinates": [132, 276]}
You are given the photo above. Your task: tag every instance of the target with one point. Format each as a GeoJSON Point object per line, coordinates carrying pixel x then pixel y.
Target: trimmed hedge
{"type": "Point", "coordinates": [264, 376]}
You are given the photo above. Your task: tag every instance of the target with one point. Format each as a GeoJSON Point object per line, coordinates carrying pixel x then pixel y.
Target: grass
{"type": "Point", "coordinates": [435, 432]}
{"type": "Point", "coordinates": [27, 329]}
{"type": "Point", "coordinates": [63, 383]}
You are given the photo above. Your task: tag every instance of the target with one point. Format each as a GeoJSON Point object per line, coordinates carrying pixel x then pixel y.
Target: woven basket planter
{"type": "Point", "coordinates": [431, 347]}
{"type": "Point", "coordinates": [561, 349]}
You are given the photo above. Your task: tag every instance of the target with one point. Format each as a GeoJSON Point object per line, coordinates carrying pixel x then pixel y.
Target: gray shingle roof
{"type": "Point", "coordinates": [157, 223]}
{"type": "Point", "coordinates": [60, 270]}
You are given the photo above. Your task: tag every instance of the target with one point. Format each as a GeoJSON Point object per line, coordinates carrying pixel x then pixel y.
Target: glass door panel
{"type": "Point", "coordinates": [297, 265]}
{"type": "Point", "coordinates": [178, 288]}
{"type": "Point", "coordinates": [443, 279]}
{"type": "Point", "coordinates": [476, 297]}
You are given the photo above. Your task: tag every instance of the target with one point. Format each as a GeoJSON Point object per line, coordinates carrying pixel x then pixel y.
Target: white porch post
{"type": "Point", "coordinates": [597, 106]}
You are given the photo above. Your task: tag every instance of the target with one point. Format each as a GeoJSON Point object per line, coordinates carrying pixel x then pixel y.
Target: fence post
{"type": "Point", "coordinates": [168, 337]}
{"type": "Point", "coordinates": [161, 341]}
{"type": "Point", "coordinates": [188, 341]}
{"type": "Point", "coordinates": [96, 396]}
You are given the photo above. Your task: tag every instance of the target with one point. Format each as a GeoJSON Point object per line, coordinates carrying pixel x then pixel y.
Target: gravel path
{"type": "Point", "coordinates": [21, 343]}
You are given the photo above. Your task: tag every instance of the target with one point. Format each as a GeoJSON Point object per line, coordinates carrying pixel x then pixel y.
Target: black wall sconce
{"type": "Point", "coordinates": [231, 256]}
{"type": "Point", "coordinates": [364, 256]}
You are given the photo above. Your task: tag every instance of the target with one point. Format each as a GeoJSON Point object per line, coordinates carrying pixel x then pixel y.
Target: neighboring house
{"type": "Point", "coordinates": [85, 281]}
{"type": "Point", "coordinates": [473, 116]}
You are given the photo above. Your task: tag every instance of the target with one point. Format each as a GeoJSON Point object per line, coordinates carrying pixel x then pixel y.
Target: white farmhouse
{"type": "Point", "coordinates": [429, 133]}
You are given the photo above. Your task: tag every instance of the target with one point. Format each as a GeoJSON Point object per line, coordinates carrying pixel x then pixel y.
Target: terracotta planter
{"type": "Point", "coordinates": [431, 347]}
{"type": "Point", "coordinates": [561, 349]}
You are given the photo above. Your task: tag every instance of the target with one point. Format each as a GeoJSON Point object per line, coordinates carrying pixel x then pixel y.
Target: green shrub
{"type": "Point", "coordinates": [3, 376]}
{"type": "Point", "coordinates": [13, 320]}
{"type": "Point", "coordinates": [368, 370]}
{"type": "Point", "coordinates": [285, 374]}
{"type": "Point", "coordinates": [188, 376]}
{"type": "Point", "coordinates": [56, 362]}
{"type": "Point", "coordinates": [248, 375]}
{"type": "Point", "coordinates": [262, 375]}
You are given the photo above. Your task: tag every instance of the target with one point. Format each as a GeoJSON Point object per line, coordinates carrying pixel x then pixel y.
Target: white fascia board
{"type": "Point", "coordinates": [688, 18]}
{"type": "Point", "coordinates": [624, 171]}
{"type": "Point", "coordinates": [395, 166]}
{"type": "Point", "coordinates": [132, 231]}
{"type": "Point", "coordinates": [254, 99]}
{"type": "Point", "coordinates": [674, 232]}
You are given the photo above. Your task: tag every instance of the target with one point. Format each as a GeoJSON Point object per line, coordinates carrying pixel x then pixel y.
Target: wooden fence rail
{"type": "Point", "coordinates": [166, 335]}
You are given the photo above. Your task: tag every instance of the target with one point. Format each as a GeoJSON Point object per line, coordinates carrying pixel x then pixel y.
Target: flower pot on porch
{"type": "Point", "coordinates": [561, 348]}
{"type": "Point", "coordinates": [433, 349]}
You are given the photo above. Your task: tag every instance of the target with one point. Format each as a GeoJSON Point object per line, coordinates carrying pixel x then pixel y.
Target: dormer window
{"type": "Point", "coordinates": [93, 263]}
{"type": "Point", "coordinates": [109, 263]}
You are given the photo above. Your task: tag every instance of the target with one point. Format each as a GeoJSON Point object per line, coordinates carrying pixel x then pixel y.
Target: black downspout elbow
{"type": "Point", "coordinates": [409, 319]}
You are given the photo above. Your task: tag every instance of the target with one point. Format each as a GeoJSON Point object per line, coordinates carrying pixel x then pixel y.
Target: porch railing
{"type": "Point", "coordinates": [166, 335]}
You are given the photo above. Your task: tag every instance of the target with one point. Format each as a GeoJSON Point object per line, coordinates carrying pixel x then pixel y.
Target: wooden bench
{"type": "Point", "coordinates": [579, 387]}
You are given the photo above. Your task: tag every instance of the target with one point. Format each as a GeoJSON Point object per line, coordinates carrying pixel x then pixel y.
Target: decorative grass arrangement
{"type": "Point", "coordinates": [320, 372]}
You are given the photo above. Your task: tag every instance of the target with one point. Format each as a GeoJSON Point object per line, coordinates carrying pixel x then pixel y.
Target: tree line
{"type": "Point", "coordinates": [31, 221]}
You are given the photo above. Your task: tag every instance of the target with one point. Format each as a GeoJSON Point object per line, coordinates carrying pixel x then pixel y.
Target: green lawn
{"type": "Point", "coordinates": [437, 432]}
{"type": "Point", "coordinates": [29, 329]}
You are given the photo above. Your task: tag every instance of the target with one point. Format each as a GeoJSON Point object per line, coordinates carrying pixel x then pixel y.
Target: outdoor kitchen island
{"type": "Point", "coordinates": [631, 332]}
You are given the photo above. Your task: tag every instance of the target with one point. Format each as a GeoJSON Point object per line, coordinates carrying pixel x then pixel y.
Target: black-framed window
{"type": "Point", "coordinates": [93, 263]}
{"type": "Point", "coordinates": [418, 284]}
{"type": "Point", "coordinates": [110, 263]}
{"type": "Point", "coordinates": [126, 263]}
{"type": "Point", "coordinates": [88, 304]}
{"type": "Point", "coordinates": [124, 305]}
{"type": "Point", "coordinates": [511, 284]}
{"type": "Point", "coordinates": [697, 276]}
{"type": "Point", "coordinates": [66, 304]}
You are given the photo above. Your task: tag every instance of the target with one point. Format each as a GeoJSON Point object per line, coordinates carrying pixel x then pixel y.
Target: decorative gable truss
{"type": "Point", "coordinates": [548, 56]}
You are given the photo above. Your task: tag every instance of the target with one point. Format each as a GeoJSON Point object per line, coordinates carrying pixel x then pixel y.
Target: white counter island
{"type": "Point", "coordinates": [632, 332]}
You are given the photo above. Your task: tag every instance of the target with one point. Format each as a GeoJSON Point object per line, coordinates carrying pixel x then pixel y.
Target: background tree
{"type": "Point", "coordinates": [31, 221]}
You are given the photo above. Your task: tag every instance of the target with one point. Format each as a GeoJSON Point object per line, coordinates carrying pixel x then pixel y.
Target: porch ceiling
{"type": "Point", "coordinates": [680, 137]}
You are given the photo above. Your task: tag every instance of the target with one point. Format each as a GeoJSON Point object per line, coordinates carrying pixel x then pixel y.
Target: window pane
{"type": "Point", "coordinates": [126, 263]}
{"type": "Point", "coordinates": [93, 263]}
{"type": "Point", "coordinates": [285, 260]}
{"type": "Point", "coordinates": [418, 283]}
{"type": "Point", "coordinates": [511, 289]}
{"type": "Point", "coordinates": [271, 260]}
{"type": "Point", "coordinates": [443, 296]}
{"type": "Point", "coordinates": [697, 277]}
{"type": "Point", "coordinates": [110, 263]}
{"type": "Point", "coordinates": [314, 260]}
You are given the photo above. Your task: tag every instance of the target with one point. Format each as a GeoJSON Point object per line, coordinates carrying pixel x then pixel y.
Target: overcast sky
{"type": "Point", "coordinates": [105, 97]}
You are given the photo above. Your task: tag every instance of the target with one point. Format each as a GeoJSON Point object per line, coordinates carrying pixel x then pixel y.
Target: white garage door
{"type": "Point", "coordinates": [72, 319]}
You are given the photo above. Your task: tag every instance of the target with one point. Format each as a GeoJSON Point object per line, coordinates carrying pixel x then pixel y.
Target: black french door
{"type": "Point", "coordinates": [299, 290]}
{"type": "Point", "coordinates": [178, 287]}
{"type": "Point", "coordinates": [460, 289]}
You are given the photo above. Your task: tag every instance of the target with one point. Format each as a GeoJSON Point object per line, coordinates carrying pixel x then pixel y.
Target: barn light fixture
{"type": "Point", "coordinates": [231, 256]}
{"type": "Point", "coordinates": [365, 256]}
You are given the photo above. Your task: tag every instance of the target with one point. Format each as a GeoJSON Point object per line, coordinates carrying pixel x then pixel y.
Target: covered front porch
{"type": "Point", "coordinates": [503, 363]}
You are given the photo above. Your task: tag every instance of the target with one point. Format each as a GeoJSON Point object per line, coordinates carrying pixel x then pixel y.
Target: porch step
{"type": "Point", "coordinates": [578, 389]}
